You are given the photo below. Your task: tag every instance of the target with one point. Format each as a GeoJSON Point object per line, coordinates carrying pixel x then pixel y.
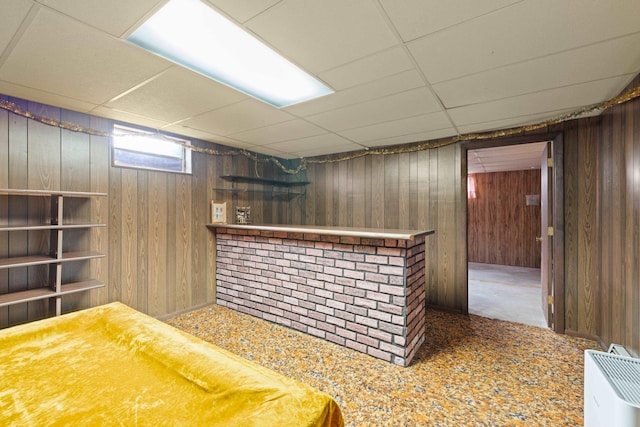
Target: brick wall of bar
{"type": "Point", "coordinates": [365, 294]}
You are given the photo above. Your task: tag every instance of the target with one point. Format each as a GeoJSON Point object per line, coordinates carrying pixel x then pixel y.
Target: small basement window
{"type": "Point", "coordinates": [141, 149]}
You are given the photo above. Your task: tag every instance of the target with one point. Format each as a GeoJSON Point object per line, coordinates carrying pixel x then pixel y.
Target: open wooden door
{"type": "Point", "coordinates": [546, 230]}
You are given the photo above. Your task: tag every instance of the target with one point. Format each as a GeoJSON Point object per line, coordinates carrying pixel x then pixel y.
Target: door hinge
{"type": "Point", "coordinates": [550, 162]}
{"type": "Point", "coordinates": [549, 231]}
{"type": "Point", "coordinates": [550, 299]}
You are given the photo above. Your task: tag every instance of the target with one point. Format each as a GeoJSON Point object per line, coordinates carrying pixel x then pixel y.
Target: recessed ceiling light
{"type": "Point", "coordinates": [192, 34]}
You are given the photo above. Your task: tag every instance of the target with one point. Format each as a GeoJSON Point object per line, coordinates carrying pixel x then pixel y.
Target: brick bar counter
{"type": "Point", "coordinates": [360, 288]}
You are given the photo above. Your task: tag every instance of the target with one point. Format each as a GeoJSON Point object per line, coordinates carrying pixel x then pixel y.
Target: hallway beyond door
{"type": "Point", "coordinates": [506, 293]}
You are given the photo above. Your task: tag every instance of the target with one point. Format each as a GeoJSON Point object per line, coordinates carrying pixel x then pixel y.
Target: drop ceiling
{"type": "Point", "coordinates": [507, 158]}
{"type": "Point", "coordinates": [402, 71]}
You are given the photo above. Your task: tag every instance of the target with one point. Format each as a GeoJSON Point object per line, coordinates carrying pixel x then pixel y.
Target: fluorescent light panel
{"type": "Point", "coordinates": [192, 34]}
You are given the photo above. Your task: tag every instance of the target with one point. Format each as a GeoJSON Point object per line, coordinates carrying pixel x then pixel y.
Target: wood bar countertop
{"type": "Point", "coordinates": [375, 233]}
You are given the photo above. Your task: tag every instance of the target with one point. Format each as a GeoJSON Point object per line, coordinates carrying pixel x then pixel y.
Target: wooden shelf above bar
{"type": "Point", "coordinates": [43, 293]}
{"type": "Point", "coordinates": [43, 259]}
{"type": "Point", "coordinates": [30, 227]}
{"type": "Point", "coordinates": [256, 180]}
{"type": "Point", "coordinates": [273, 194]}
{"type": "Point", "coordinates": [46, 193]}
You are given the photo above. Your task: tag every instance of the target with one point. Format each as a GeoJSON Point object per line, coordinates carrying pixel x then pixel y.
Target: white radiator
{"type": "Point", "coordinates": [611, 390]}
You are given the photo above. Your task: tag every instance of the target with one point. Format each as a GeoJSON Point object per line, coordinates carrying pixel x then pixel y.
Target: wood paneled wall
{"type": "Point", "coordinates": [422, 190]}
{"type": "Point", "coordinates": [160, 256]}
{"type": "Point", "coordinates": [617, 293]}
{"type": "Point", "coordinates": [502, 228]}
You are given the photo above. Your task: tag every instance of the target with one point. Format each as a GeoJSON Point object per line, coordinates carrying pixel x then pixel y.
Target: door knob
{"type": "Point", "coordinates": [539, 239]}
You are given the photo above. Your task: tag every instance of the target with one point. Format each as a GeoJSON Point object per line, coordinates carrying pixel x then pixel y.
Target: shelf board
{"type": "Point", "coordinates": [263, 181]}
{"type": "Point", "coordinates": [46, 193]}
{"type": "Point", "coordinates": [274, 194]}
{"type": "Point", "coordinates": [29, 227]}
{"type": "Point", "coordinates": [27, 261]}
{"type": "Point", "coordinates": [85, 285]}
{"type": "Point", "coordinates": [25, 296]}
{"type": "Point", "coordinates": [44, 292]}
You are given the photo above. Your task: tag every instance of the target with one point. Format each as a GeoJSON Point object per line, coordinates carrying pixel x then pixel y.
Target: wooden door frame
{"type": "Point", "coordinates": [558, 213]}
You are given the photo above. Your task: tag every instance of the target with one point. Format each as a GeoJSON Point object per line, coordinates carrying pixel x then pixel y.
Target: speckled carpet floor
{"type": "Point", "coordinates": [471, 371]}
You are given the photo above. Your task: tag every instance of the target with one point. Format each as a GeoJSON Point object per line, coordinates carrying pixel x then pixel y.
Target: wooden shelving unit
{"type": "Point", "coordinates": [55, 257]}
{"type": "Point", "coordinates": [287, 194]}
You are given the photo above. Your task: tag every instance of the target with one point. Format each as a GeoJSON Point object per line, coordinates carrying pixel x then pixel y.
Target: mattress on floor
{"type": "Point", "coordinates": [111, 365]}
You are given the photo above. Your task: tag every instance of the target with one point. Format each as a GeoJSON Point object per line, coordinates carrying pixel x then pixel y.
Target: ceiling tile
{"type": "Point", "coordinates": [598, 61]}
{"type": "Point", "coordinates": [406, 104]}
{"type": "Point", "coordinates": [510, 157]}
{"type": "Point", "coordinates": [320, 35]}
{"type": "Point", "coordinates": [401, 127]}
{"type": "Point", "coordinates": [326, 143]}
{"type": "Point", "coordinates": [80, 62]}
{"type": "Point", "coordinates": [540, 102]}
{"type": "Point", "coordinates": [123, 116]}
{"type": "Point", "coordinates": [10, 20]}
{"type": "Point", "coordinates": [416, 18]}
{"type": "Point", "coordinates": [401, 82]}
{"type": "Point", "coordinates": [525, 30]}
{"type": "Point", "coordinates": [416, 137]}
{"type": "Point", "coordinates": [243, 10]}
{"type": "Point", "coordinates": [177, 94]}
{"type": "Point", "coordinates": [511, 122]}
{"type": "Point", "coordinates": [43, 97]}
{"type": "Point", "coordinates": [113, 16]}
{"type": "Point", "coordinates": [204, 136]}
{"type": "Point", "coordinates": [244, 115]}
{"type": "Point", "coordinates": [321, 151]}
{"type": "Point", "coordinates": [285, 131]}
{"type": "Point", "coordinates": [369, 68]}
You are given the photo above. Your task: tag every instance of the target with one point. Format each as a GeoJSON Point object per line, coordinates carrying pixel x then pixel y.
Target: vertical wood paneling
{"type": "Point", "coordinates": [172, 254]}
{"type": "Point", "coordinates": [75, 175]}
{"type": "Point", "coordinates": [605, 228]}
{"type": "Point", "coordinates": [377, 192]}
{"type": "Point", "coordinates": [18, 178]}
{"type": "Point", "coordinates": [359, 192]}
{"type": "Point", "coordinates": [502, 229]}
{"type": "Point", "coordinates": [414, 209]}
{"type": "Point", "coordinates": [630, 245]}
{"type": "Point", "coordinates": [158, 244]}
{"type": "Point", "coordinates": [43, 173]}
{"type": "Point", "coordinates": [4, 207]}
{"type": "Point", "coordinates": [310, 197]}
{"type": "Point", "coordinates": [446, 234]}
{"type": "Point", "coordinates": [571, 200]}
{"type": "Point", "coordinates": [129, 237]}
{"type": "Point", "coordinates": [391, 202]}
{"type": "Point", "coordinates": [343, 195]}
{"type": "Point", "coordinates": [99, 155]}
{"type": "Point", "coordinates": [404, 190]}
{"type": "Point", "coordinates": [585, 262]}
{"type": "Point", "coordinates": [199, 221]}
{"type": "Point", "coordinates": [142, 228]}
{"type": "Point", "coordinates": [183, 202]}
{"type": "Point", "coordinates": [433, 281]}
{"type": "Point", "coordinates": [115, 234]}
{"type": "Point", "coordinates": [212, 172]}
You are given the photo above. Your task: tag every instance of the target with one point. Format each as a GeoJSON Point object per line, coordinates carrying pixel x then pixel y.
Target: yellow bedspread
{"type": "Point", "coordinates": [111, 365]}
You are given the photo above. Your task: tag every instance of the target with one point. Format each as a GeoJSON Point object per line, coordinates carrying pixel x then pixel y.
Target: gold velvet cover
{"type": "Point", "coordinates": [111, 365]}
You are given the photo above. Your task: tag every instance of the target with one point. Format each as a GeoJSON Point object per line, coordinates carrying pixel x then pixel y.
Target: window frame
{"type": "Point", "coordinates": [122, 128]}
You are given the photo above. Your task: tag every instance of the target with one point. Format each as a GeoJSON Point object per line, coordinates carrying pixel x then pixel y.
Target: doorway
{"type": "Point", "coordinates": [506, 269]}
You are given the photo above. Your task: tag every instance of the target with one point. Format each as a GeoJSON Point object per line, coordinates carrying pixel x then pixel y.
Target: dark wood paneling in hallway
{"type": "Point", "coordinates": [502, 228]}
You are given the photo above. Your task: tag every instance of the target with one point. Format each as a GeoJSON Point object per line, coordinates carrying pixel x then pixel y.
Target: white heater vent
{"type": "Point", "coordinates": [623, 375]}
